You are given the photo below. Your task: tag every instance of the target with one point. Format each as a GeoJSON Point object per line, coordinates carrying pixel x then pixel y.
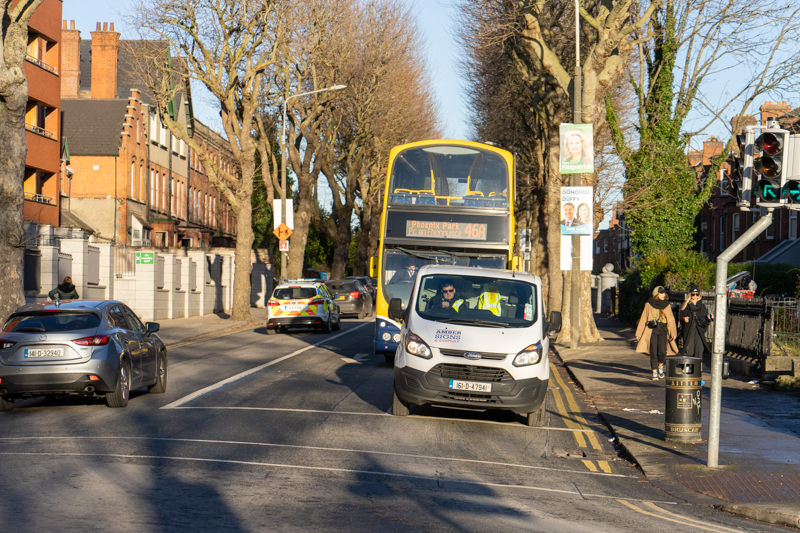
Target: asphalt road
{"type": "Point", "coordinates": [294, 433]}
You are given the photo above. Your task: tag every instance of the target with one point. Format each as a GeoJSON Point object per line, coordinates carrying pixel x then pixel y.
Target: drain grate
{"type": "Point", "coordinates": [746, 488]}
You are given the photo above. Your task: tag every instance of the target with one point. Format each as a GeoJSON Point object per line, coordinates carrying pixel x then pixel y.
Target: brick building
{"type": "Point", "coordinates": [43, 115]}
{"type": "Point", "coordinates": [612, 245]}
{"type": "Point", "coordinates": [155, 198]}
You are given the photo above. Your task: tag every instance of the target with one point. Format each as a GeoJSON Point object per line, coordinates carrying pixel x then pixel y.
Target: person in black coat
{"type": "Point", "coordinates": [694, 319]}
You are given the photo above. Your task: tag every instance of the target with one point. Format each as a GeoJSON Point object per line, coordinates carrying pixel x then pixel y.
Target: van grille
{"type": "Point", "coordinates": [471, 373]}
{"type": "Point", "coordinates": [495, 356]}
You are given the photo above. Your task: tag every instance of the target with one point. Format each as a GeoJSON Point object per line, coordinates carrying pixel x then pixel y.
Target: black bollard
{"type": "Point", "coordinates": [683, 392]}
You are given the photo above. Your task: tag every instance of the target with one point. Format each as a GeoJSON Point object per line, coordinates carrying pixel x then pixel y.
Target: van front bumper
{"type": "Point", "coordinates": [521, 396]}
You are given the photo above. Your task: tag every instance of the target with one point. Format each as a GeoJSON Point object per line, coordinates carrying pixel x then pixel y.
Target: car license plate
{"type": "Point", "coordinates": [35, 353]}
{"type": "Point", "coordinates": [471, 386]}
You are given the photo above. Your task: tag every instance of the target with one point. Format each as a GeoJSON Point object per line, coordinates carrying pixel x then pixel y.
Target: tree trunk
{"type": "Point", "coordinates": [13, 102]}
{"type": "Point", "coordinates": [244, 246]}
{"type": "Point", "coordinates": [302, 220]}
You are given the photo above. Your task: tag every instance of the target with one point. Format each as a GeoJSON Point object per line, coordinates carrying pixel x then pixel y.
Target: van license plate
{"type": "Point", "coordinates": [470, 386]}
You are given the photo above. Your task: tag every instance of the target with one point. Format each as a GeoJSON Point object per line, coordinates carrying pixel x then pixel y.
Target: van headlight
{"type": "Point", "coordinates": [529, 356]}
{"type": "Point", "coordinates": [416, 346]}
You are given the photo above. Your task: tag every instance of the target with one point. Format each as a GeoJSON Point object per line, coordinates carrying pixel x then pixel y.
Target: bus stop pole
{"type": "Point", "coordinates": [720, 318]}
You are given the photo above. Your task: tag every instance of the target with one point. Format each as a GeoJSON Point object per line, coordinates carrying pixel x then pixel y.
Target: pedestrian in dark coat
{"type": "Point", "coordinates": [694, 318]}
{"type": "Point", "coordinates": [64, 291]}
{"type": "Point", "coordinates": [657, 331]}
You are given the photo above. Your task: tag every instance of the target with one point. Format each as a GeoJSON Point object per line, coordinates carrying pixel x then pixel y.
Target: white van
{"type": "Point", "coordinates": [475, 338]}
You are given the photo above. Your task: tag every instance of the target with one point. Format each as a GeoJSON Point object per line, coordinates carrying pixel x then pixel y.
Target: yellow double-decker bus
{"type": "Point", "coordinates": [446, 202]}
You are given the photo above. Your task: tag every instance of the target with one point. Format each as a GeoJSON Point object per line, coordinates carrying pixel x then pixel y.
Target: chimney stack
{"type": "Point", "coordinates": [105, 52]}
{"type": "Point", "coordinates": [70, 60]}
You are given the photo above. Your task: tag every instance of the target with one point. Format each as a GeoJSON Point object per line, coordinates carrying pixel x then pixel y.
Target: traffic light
{"type": "Point", "coordinates": [791, 187]}
{"type": "Point", "coordinates": [742, 168]}
{"type": "Point", "coordinates": [771, 168]}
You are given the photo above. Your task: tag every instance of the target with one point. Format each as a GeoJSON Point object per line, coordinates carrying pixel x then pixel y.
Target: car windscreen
{"type": "Point", "coordinates": [51, 322]}
{"type": "Point", "coordinates": [477, 300]}
{"type": "Point", "coordinates": [342, 288]}
{"type": "Point", "coordinates": [294, 293]}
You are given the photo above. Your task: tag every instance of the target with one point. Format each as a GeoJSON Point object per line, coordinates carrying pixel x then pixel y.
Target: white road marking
{"type": "Point", "coordinates": [246, 373]}
{"type": "Point", "coordinates": [355, 413]}
{"type": "Point", "coordinates": [314, 448]}
{"type": "Point", "coordinates": [352, 471]}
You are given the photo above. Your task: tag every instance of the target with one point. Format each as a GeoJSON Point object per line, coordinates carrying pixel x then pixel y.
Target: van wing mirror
{"type": "Point", "coordinates": [554, 324]}
{"type": "Point", "coordinates": [396, 309]}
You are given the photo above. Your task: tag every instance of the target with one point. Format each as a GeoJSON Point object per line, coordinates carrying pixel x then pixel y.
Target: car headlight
{"type": "Point", "coordinates": [416, 346]}
{"type": "Point", "coordinates": [529, 356]}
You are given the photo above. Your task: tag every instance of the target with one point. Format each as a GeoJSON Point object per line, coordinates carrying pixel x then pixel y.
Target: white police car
{"type": "Point", "coordinates": [302, 303]}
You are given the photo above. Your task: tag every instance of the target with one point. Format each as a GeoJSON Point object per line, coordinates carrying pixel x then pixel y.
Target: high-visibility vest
{"type": "Point", "coordinates": [490, 301]}
{"type": "Point", "coordinates": [456, 304]}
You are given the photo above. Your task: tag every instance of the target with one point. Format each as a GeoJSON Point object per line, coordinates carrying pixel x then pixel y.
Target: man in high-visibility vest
{"type": "Point", "coordinates": [446, 299]}
{"type": "Point", "coordinates": [490, 299]}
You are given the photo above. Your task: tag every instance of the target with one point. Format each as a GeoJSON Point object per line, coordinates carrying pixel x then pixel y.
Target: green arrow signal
{"type": "Point", "coordinates": [792, 189]}
{"type": "Point", "coordinates": [768, 191]}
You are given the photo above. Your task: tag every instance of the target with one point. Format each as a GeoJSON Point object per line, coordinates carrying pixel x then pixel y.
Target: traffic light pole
{"type": "Point", "coordinates": [720, 318]}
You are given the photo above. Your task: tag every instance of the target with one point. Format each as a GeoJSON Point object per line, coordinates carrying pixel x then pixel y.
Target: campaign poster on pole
{"type": "Point", "coordinates": [576, 211]}
{"type": "Point", "coordinates": [577, 149]}
{"type": "Point", "coordinates": [587, 260]}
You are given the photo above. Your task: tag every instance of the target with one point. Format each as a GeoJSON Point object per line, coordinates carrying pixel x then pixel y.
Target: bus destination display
{"type": "Point", "coordinates": [439, 229]}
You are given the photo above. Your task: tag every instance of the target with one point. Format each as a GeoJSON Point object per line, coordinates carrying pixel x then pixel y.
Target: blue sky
{"type": "Point", "coordinates": [436, 20]}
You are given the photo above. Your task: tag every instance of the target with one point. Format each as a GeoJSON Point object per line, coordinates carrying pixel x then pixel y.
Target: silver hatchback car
{"type": "Point", "coordinates": [79, 347]}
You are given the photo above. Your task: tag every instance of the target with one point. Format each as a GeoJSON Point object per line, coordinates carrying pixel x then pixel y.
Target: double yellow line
{"type": "Point", "coordinates": [568, 408]}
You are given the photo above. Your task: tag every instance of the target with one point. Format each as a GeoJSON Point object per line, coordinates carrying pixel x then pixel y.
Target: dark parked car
{"type": "Point", "coordinates": [79, 347]}
{"type": "Point", "coordinates": [353, 298]}
{"type": "Point", "coordinates": [367, 282]}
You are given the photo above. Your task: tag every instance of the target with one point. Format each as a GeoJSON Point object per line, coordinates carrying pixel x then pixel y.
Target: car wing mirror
{"type": "Point", "coordinates": [152, 327]}
{"type": "Point", "coordinates": [554, 324]}
{"type": "Point", "coordinates": [396, 309]}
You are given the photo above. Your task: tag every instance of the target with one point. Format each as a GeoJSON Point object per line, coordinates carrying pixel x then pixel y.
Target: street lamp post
{"type": "Point", "coordinates": [284, 155]}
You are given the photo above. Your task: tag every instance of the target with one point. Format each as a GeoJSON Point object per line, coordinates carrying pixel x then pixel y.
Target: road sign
{"type": "Point", "coordinates": [283, 232]}
{"type": "Point", "coordinates": [284, 246]}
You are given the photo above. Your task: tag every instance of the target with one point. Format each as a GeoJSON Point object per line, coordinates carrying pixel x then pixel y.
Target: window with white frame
{"type": "Point", "coordinates": [792, 224]}
{"type": "Point", "coordinates": [734, 226]}
{"type": "Point", "coordinates": [723, 220]}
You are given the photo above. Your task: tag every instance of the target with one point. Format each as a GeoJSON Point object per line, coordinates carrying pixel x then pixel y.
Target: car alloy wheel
{"type": "Point", "coordinates": [119, 397]}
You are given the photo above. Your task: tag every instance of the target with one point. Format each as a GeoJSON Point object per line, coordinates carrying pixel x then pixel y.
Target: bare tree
{"type": "Point", "coordinates": [229, 47]}
{"type": "Point", "coordinates": [14, 17]}
{"type": "Point", "coordinates": [387, 103]}
{"type": "Point", "coordinates": [538, 38]}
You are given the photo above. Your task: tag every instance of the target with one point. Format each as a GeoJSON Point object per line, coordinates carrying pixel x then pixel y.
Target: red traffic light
{"type": "Point", "coordinates": [770, 143]}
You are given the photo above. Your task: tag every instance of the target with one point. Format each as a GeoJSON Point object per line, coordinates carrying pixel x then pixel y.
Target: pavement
{"type": "Point", "coordinates": [759, 442]}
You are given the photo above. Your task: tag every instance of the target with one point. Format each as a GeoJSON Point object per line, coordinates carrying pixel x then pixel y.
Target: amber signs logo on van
{"type": "Point", "coordinates": [447, 335]}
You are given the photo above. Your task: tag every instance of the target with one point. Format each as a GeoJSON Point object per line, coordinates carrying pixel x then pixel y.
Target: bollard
{"type": "Point", "coordinates": [683, 391]}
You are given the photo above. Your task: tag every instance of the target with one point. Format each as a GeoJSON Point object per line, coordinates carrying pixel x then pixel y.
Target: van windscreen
{"type": "Point", "coordinates": [485, 301]}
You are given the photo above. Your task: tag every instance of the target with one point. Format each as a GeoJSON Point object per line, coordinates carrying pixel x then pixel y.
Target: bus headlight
{"type": "Point", "coordinates": [529, 356]}
{"type": "Point", "coordinates": [386, 336]}
{"type": "Point", "coordinates": [396, 337]}
{"type": "Point", "coordinates": [416, 346]}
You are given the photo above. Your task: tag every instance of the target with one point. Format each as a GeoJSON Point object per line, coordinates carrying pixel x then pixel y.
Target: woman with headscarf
{"type": "Point", "coordinates": [656, 331]}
